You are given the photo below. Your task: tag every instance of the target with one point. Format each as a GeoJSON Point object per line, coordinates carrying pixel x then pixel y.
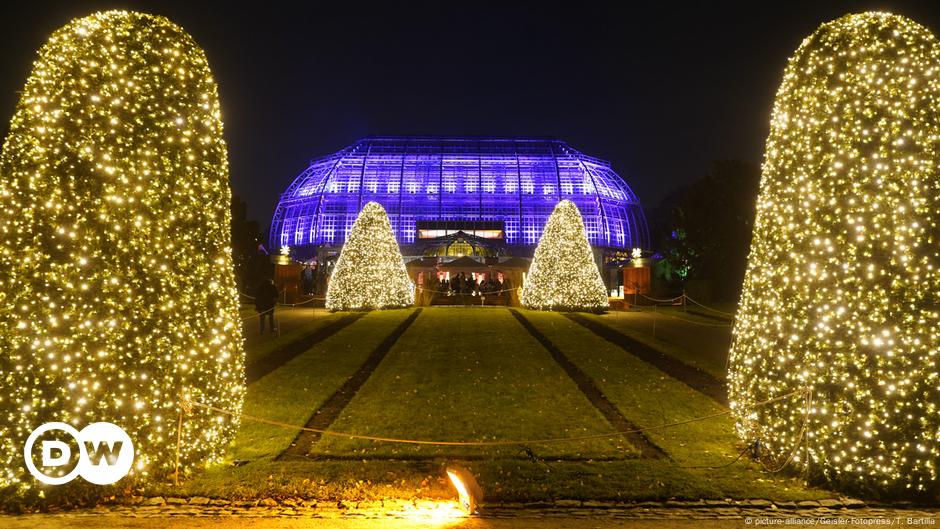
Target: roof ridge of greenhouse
{"type": "Point", "coordinates": [515, 181]}
{"type": "Point", "coordinates": [458, 137]}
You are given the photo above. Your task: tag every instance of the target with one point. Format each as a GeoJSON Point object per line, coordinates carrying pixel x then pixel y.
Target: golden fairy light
{"type": "Point", "coordinates": [564, 275]}
{"type": "Point", "coordinates": [842, 284]}
{"type": "Point", "coordinates": [370, 272]}
{"type": "Point", "coordinates": [117, 296]}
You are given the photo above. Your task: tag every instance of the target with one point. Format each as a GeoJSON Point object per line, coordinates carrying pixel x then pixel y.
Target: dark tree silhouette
{"type": "Point", "coordinates": [704, 230]}
{"type": "Point", "coordinates": [246, 238]}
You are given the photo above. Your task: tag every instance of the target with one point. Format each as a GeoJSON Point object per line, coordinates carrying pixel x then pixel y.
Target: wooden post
{"type": "Point", "coordinates": [179, 441]}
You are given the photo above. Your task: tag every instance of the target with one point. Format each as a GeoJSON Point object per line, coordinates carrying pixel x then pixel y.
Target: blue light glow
{"type": "Point", "coordinates": [516, 181]}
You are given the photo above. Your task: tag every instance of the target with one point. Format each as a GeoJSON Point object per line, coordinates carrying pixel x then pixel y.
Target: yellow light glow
{"type": "Point", "coordinates": [841, 290]}
{"type": "Point", "coordinates": [563, 274]}
{"type": "Point", "coordinates": [370, 272]}
{"type": "Point", "coordinates": [468, 491]}
{"type": "Point", "coordinates": [463, 495]}
{"type": "Point", "coordinates": [115, 263]}
{"type": "Point", "coordinates": [427, 513]}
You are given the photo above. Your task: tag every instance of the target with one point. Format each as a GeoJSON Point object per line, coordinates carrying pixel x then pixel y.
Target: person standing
{"type": "Point", "coordinates": [306, 279]}
{"type": "Point", "coordinates": [265, 301]}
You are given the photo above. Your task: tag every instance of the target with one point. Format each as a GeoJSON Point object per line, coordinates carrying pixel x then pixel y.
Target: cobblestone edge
{"type": "Point", "coordinates": [200, 506]}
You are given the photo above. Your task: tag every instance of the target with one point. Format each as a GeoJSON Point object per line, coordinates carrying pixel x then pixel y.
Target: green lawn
{"type": "Point", "coordinates": [696, 314]}
{"type": "Point", "coordinates": [470, 374]}
{"type": "Point", "coordinates": [258, 351]}
{"type": "Point", "coordinates": [291, 393]}
{"type": "Point", "coordinates": [649, 398]}
{"type": "Point", "coordinates": [711, 364]}
{"type": "Point", "coordinates": [475, 373]}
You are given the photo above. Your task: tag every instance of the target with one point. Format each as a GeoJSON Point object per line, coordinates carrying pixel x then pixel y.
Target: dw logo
{"type": "Point", "coordinates": [105, 453]}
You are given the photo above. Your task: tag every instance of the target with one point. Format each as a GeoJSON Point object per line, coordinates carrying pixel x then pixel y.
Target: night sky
{"type": "Point", "coordinates": [660, 91]}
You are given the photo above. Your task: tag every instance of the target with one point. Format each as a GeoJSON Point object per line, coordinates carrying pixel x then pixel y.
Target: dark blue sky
{"type": "Point", "coordinates": [660, 89]}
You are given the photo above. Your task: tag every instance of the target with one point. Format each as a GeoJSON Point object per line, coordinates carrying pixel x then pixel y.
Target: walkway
{"type": "Point", "coordinates": [288, 514]}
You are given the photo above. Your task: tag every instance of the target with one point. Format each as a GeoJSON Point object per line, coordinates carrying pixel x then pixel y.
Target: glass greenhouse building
{"type": "Point", "coordinates": [500, 189]}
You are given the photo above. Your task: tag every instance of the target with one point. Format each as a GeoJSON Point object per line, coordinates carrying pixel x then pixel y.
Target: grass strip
{"type": "Point", "coordinates": [334, 406]}
{"type": "Point", "coordinates": [650, 397]}
{"type": "Point", "coordinates": [470, 349]}
{"type": "Point", "coordinates": [463, 374]}
{"type": "Point", "coordinates": [592, 392]}
{"type": "Point", "coordinates": [295, 345]}
{"type": "Point", "coordinates": [292, 393]}
{"type": "Point", "coordinates": [692, 376]}
{"type": "Point", "coordinates": [686, 347]}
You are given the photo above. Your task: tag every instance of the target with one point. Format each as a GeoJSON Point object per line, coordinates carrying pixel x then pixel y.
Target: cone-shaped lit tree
{"type": "Point", "coordinates": [842, 284]}
{"type": "Point", "coordinates": [116, 286]}
{"type": "Point", "coordinates": [370, 272]}
{"type": "Point", "coordinates": [563, 275]}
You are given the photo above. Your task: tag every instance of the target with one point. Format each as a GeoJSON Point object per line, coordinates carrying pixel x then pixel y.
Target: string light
{"type": "Point", "coordinates": [370, 272]}
{"type": "Point", "coordinates": [117, 296]}
{"type": "Point", "coordinates": [563, 274]}
{"type": "Point", "coordinates": [842, 284]}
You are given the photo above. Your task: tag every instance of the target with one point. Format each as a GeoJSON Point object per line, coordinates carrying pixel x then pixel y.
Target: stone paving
{"type": "Point", "coordinates": [757, 512]}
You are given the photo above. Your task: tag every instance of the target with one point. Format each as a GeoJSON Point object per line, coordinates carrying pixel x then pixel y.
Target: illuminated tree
{"type": "Point", "coordinates": [370, 272]}
{"type": "Point", "coordinates": [841, 290]}
{"type": "Point", "coordinates": [563, 275]}
{"type": "Point", "coordinates": [116, 288]}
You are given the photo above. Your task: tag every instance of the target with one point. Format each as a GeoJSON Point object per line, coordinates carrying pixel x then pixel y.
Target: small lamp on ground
{"type": "Point", "coordinates": [468, 491]}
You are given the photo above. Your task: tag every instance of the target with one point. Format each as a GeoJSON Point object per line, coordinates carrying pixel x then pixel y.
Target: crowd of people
{"type": "Point", "coordinates": [266, 294]}
{"type": "Point", "coordinates": [463, 283]}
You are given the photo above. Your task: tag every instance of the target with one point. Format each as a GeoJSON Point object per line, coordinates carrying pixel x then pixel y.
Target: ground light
{"type": "Point", "coordinates": [468, 491]}
{"type": "Point", "coordinates": [430, 514]}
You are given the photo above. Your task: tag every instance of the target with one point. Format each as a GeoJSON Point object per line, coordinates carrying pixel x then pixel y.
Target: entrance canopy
{"type": "Point", "coordinates": [464, 264]}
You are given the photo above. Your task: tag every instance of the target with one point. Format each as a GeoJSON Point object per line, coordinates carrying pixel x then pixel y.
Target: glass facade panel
{"type": "Point", "coordinates": [515, 181]}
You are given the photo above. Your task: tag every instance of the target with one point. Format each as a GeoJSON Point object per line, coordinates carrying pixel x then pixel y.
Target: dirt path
{"type": "Point", "coordinates": [334, 406]}
{"type": "Point", "coordinates": [600, 401]}
{"type": "Point", "coordinates": [691, 376]}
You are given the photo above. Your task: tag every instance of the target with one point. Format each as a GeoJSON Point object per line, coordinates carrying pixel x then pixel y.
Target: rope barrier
{"type": "Point", "coordinates": [290, 305]}
{"type": "Point", "coordinates": [315, 298]}
{"type": "Point", "coordinates": [551, 440]}
{"type": "Point", "coordinates": [479, 293]}
{"type": "Point", "coordinates": [693, 322]}
{"type": "Point", "coordinates": [709, 308]}
{"type": "Point", "coordinates": [726, 465]}
{"type": "Point", "coordinates": [799, 440]}
{"type": "Point", "coordinates": [687, 298]}
{"type": "Point", "coordinates": [257, 314]}
{"type": "Point", "coordinates": [677, 298]}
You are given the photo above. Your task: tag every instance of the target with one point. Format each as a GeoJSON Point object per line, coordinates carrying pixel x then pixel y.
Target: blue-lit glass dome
{"type": "Point", "coordinates": [511, 182]}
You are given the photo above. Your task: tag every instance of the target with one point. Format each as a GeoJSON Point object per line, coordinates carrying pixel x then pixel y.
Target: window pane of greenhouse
{"type": "Point", "coordinates": [510, 184]}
